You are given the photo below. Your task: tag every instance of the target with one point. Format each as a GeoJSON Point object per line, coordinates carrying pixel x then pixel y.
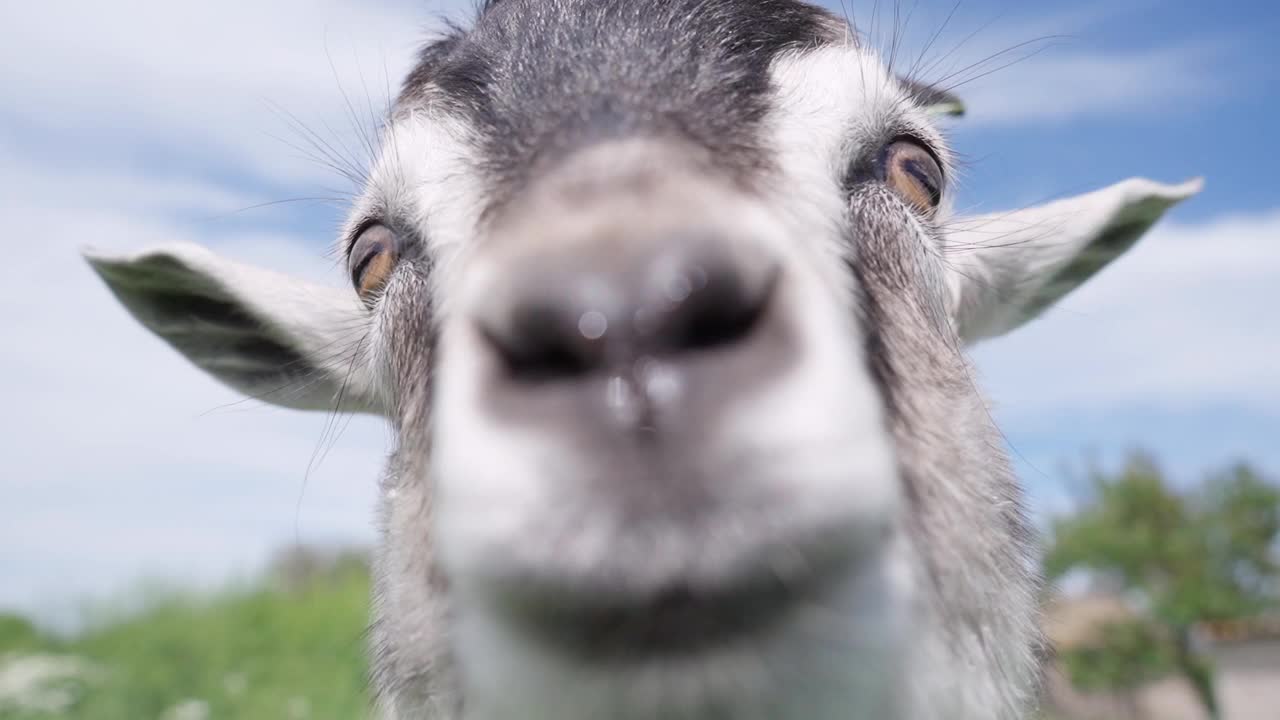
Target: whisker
{"type": "Point", "coordinates": [933, 38]}
{"type": "Point", "coordinates": [316, 200]}
{"type": "Point", "coordinates": [1011, 63]}
{"type": "Point", "coordinates": [330, 434]}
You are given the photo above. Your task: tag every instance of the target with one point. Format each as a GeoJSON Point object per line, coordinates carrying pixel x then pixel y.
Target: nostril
{"type": "Point", "coordinates": [563, 318]}
{"type": "Point", "coordinates": [546, 341]}
{"type": "Point", "coordinates": [722, 309]}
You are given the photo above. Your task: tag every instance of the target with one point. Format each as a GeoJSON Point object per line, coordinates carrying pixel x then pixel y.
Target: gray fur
{"type": "Point", "coordinates": [967, 520]}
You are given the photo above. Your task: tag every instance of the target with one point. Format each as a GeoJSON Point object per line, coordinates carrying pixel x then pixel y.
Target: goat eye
{"type": "Point", "coordinates": [913, 172]}
{"type": "Point", "coordinates": [373, 256]}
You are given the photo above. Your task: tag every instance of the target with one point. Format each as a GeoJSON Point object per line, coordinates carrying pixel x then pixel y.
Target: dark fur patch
{"type": "Point", "coordinates": [538, 78]}
{"type": "Point", "coordinates": [203, 322]}
{"type": "Point", "coordinates": [1111, 244]}
{"type": "Point", "coordinates": [209, 329]}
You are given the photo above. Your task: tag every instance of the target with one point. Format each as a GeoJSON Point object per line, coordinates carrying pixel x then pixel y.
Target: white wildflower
{"type": "Point", "coordinates": [42, 683]}
{"type": "Point", "coordinates": [190, 709]}
{"type": "Point", "coordinates": [236, 684]}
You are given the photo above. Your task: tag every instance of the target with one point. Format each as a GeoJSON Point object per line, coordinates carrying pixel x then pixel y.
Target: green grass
{"type": "Point", "coordinates": [259, 653]}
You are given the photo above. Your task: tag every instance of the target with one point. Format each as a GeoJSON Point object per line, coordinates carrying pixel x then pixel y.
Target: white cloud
{"type": "Point", "coordinates": [205, 81]}
{"type": "Point", "coordinates": [1184, 319]}
{"type": "Point", "coordinates": [1061, 86]}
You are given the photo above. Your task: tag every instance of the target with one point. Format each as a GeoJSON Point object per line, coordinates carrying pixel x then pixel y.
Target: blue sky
{"type": "Point", "coordinates": [135, 123]}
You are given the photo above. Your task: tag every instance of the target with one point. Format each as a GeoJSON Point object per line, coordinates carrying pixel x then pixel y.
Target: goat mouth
{"type": "Point", "coordinates": [679, 620]}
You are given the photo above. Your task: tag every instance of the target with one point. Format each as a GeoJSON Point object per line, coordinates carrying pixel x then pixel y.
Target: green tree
{"type": "Point", "coordinates": [1189, 557]}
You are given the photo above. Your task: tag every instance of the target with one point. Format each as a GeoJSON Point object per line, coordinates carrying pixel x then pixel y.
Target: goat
{"type": "Point", "coordinates": [666, 304]}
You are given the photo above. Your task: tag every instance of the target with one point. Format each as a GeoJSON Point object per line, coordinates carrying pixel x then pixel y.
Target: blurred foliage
{"type": "Point", "coordinates": [1205, 554]}
{"type": "Point", "coordinates": [290, 650]}
{"type": "Point", "coordinates": [18, 634]}
{"type": "Point", "coordinates": [1125, 655]}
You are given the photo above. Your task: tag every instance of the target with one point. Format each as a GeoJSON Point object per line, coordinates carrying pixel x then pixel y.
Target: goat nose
{"type": "Point", "coordinates": [576, 315]}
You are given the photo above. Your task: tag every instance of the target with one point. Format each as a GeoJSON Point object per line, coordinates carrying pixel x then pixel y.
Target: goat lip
{"type": "Point", "coordinates": [679, 619]}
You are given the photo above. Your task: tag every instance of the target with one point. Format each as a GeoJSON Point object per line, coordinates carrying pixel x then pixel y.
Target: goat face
{"type": "Point", "coordinates": [666, 306]}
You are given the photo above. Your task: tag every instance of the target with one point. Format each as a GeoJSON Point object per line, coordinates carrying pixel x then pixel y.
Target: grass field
{"type": "Point", "coordinates": [281, 651]}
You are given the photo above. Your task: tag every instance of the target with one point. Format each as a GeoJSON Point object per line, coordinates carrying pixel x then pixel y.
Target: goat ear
{"type": "Point", "coordinates": [270, 336]}
{"type": "Point", "coordinates": [1007, 268]}
{"type": "Point", "coordinates": [935, 101]}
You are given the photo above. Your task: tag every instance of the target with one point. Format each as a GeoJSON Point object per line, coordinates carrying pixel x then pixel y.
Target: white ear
{"type": "Point", "coordinates": [1006, 268]}
{"type": "Point", "coordinates": [270, 336]}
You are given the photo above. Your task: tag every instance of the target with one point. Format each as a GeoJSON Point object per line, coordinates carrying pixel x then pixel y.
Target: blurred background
{"type": "Point", "coordinates": [168, 550]}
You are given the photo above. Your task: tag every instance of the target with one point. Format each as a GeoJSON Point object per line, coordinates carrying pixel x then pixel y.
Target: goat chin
{"type": "Point", "coordinates": [839, 653]}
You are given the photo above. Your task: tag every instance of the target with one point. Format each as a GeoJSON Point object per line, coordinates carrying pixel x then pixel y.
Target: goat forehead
{"type": "Point", "coordinates": [535, 79]}
{"type": "Point", "coordinates": [480, 112]}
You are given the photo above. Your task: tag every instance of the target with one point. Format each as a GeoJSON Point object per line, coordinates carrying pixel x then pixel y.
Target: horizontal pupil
{"type": "Point", "coordinates": [916, 170]}
{"type": "Point", "coordinates": [357, 274]}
